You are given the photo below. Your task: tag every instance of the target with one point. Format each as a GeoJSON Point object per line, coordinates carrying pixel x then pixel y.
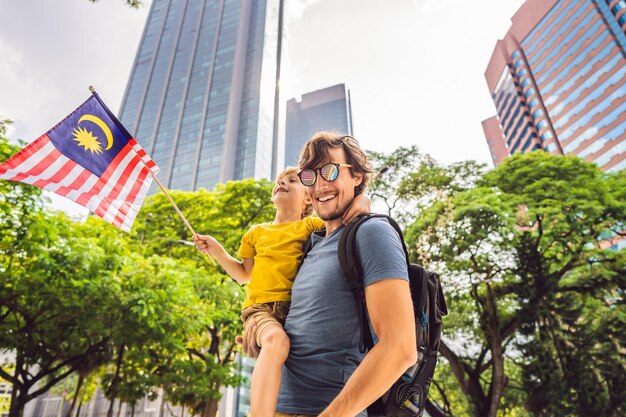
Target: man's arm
{"type": "Point", "coordinates": [390, 309]}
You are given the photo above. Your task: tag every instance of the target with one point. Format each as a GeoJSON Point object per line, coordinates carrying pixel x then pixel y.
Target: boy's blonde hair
{"type": "Point", "coordinates": [308, 208]}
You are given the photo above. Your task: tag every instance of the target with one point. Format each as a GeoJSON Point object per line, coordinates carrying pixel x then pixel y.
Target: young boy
{"type": "Point", "coordinates": [271, 254]}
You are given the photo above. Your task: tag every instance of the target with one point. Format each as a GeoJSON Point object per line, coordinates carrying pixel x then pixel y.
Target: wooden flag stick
{"type": "Point", "coordinates": [193, 233]}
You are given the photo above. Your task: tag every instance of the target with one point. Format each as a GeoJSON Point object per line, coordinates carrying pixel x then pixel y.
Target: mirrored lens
{"type": "Point", "coordinates": [329, 172]}
{"type": "Point", "coordinates": [307, 177]}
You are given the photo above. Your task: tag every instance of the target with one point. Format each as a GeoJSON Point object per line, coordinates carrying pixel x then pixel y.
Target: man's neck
{"type": "Point", "coordinates": [332, 225]}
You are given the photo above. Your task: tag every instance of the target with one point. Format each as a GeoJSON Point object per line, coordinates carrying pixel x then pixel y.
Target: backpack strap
{"type": "Point", "coordinates": [346, 252]}
{"type": "Point", "coordinates": [351, 269]}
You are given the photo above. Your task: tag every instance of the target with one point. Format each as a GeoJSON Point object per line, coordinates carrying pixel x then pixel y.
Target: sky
{"type": "Point", "coordinates": [415, 68]}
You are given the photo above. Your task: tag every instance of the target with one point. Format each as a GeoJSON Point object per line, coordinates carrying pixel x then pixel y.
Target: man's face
{"type": "Point", "coordinates": [331, 199]}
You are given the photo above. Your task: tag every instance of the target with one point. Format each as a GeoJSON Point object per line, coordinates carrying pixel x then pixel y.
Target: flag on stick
{"type": "Point", "coordinates": [90, 158]}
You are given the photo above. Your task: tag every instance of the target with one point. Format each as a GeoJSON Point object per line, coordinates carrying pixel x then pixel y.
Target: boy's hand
{"type": "Point", "coordinates": [361, 204]}
{"type": "Point", "coordinates": [205, 244]}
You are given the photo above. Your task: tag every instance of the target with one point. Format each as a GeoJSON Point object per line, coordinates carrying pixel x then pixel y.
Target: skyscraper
{"type": "Point", "coordinates": [325, 109]}
{"type": "Point", "coordinates": [203, 92]}
{"type": "Point", "coordinates": [558, 81]}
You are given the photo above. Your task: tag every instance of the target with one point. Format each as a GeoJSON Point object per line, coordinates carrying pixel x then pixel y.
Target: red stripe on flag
{"type": "Point", "coordinates": [119, 185]}
{"type": "Point", "coordinates": [24, 154]}
{"type": "Point", "coordinates": [141, 152]}
{"type": "Point", "coordinates": [132, 195]}
{"type": "Point", "coordinates": [58, 177]}
{"type": "Point", "coordinates": [39, 167]}
{"type": "Point", "coordinates": [84, 198]}
{"type": "Point", "coordinates": [76, 184]}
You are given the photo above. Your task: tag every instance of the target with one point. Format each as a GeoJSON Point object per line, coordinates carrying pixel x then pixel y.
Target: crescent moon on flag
{"type": "Point", "coordinates": [96, 120]}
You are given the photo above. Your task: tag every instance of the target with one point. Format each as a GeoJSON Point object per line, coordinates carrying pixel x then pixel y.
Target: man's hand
{"type": "Point", "coordinates": [248, 341]}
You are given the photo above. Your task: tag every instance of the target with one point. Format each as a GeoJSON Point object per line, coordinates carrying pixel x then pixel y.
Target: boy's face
{"type": "Point", "coordinates": [289, 193]}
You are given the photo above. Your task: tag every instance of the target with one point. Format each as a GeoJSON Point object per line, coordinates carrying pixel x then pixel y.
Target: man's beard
{"type": "Point", "coordinates": [337, 214]}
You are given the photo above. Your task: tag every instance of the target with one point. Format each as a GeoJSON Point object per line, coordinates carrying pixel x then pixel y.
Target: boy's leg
{"type": "Point", "coordinates": [266, 376]}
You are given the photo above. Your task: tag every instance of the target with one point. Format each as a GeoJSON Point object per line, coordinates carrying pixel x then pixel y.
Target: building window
{"type": "Point", "coordinates": [547, 135]}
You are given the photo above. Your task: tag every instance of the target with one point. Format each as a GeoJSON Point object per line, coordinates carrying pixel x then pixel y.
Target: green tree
{"type": "Point", "coordinates": [49, 305]}
{"type": "Point", "coordinates": [140, 309]}
{"type": "Point", "coordinates": [536, 300]}
{"type": "Point", "coordinates": [194, 378]}
{"type": "Point", "coordinates": [389, 174]}
{"type": "Point", "coordinates": [46, 292]}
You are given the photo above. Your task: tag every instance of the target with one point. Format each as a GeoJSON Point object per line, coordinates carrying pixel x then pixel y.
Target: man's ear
{"type": "Point", "coordinates": [358, 179]}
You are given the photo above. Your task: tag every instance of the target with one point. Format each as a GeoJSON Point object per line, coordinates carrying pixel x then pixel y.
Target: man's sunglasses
{"type": "Point", "coordinates": [329, 172]}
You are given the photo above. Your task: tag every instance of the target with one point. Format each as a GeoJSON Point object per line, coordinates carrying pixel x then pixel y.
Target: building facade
{"type": "Point", "coordinates": [325, 109]}
{"type": "Point", "coordinates": [202, 96]}
{"type": "Point", "coordinates": [558, 82]}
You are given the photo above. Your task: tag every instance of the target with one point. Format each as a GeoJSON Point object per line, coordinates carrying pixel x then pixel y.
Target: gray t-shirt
{"type": "Point", "coordinates": [323, 325]}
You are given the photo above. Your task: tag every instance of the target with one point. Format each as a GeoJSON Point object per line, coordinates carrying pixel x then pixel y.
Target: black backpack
{"type": "Point", "coordinates": [407, 396]}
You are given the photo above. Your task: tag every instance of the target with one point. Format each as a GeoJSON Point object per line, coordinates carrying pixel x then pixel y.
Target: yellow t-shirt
{"type": "Point", "coordinates": [277, 251]}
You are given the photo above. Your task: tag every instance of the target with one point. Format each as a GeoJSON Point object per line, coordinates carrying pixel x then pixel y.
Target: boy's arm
{"type": "Point", "coordinates": [361, 204]}
{"type": "Point", "coordinates": [390, 310]}
{"type": "Point", "coordinates": [239, 270]}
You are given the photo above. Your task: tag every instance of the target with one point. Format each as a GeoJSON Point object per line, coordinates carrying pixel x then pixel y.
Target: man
{"type": "Point", "coordinates": [325, 374]}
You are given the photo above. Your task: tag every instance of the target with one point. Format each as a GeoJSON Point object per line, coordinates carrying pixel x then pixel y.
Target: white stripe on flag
{"type": "Point", "coordinates": [145, 158]}
{"type": "Point", "coordinates": [87, 186]}
{"type": "Point", "coordinates": [134, 208]}
{"type": "Point", "coordinates": [95, 200]}
{"type": "Point", "coordinates": [68, 179]}
{"type": "Point", "coordinates": [31, 161]}
{"type": "Point", "coordinates": [48, 172]}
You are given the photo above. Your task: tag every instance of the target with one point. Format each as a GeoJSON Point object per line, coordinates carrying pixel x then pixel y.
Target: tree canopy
{"type": "Point", "coordinates": [535, 290]}
{"type": "Point", "coordinates": [140, 310]}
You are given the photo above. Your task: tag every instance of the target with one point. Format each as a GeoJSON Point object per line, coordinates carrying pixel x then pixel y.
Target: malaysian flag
{"type": "Point", "coordinates": [90, 158]}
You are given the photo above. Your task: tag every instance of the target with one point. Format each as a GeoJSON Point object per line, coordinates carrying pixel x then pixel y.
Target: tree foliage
{"type": "Point", "coordinates": [194, 378]}
{"type": "Point", "coordinates": [531, 282]}
{"type": "Point", "coordinates": [535, 293]}
{"type": "Point", "coordinates": [139, 310]}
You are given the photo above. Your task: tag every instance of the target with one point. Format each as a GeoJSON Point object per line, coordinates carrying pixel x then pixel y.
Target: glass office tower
{"type": "Point", "coordinates": [203, 92]}
{"type": "Point", "coordinates": [325, 109]}
{"type": "Point", "coordinates": [558, 81]}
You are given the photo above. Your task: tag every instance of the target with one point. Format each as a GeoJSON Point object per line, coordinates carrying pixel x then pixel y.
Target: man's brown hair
{"type": "Point", "coordinates": [317, 150]}
{"type": "Point", "coordinates": [308, 209]}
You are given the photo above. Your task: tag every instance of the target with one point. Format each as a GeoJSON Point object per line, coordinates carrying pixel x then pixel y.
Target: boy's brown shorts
{"type": "Point", "coordinates": [265, 315]}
